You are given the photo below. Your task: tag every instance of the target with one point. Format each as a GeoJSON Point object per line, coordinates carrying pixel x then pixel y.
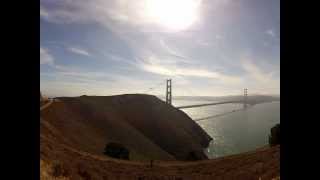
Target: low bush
{"type": "Point", "coordinates": [274, 137]}
{"type": "Point", "coordinates": [116, 150]}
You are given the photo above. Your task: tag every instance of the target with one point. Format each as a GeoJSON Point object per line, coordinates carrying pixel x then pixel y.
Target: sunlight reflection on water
{"type": "Point", "coordinates": [235, 132]}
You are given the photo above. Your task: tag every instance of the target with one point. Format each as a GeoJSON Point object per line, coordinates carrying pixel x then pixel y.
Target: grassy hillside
{"type": "Point", "coordinates": [74, 131]}
{"type": "Point", "coordinates": [148, 127]}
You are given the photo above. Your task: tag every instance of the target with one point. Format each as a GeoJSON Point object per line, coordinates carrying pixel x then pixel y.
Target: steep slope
{"type": "Point", "coordinates": [148, 127]}
{"type": "Point", "coordinates": [92, 133]}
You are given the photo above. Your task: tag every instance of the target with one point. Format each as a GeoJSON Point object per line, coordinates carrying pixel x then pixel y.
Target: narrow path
{"type": "Point", "coordinates": [46, 105]}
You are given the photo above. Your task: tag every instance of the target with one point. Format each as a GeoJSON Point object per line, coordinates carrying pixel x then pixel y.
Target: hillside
{"type": "Point", "coordinates": [74, 131]}
{"type": "Point", "coordinates": [61, 162]}
{"type": "Point", "coordinates": [148, 127]}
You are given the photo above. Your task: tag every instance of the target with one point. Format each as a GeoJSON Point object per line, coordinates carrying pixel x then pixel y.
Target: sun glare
{"type": "Point", "coordinates": [173, 14]}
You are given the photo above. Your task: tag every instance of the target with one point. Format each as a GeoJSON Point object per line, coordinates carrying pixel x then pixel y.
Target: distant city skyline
{"type": "Point", "coordinates": [207, 47]}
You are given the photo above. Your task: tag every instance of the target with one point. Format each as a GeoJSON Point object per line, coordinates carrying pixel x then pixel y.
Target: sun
{"type": "Point", "coordinates": [173, 14]}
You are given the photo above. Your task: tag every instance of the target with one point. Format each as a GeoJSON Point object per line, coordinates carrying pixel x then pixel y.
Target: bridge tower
{"type": "Point", "coordinates": [245, 98]}
{"type": "Point", "coordinates": [169, 92]}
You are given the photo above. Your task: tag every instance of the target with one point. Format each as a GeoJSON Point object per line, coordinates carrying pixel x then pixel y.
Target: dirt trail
{"type": "Point", "coordinates": [46, 105]}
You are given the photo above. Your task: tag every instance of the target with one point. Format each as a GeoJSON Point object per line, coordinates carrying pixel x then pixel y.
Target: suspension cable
{"type": "Point", "coordinates": [153, 88]}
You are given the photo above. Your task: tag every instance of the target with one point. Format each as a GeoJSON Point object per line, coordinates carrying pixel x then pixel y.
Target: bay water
{"type": "Point", "coordinates": [234, 129]}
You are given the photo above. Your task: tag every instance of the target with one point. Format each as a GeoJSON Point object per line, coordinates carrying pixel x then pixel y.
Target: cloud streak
{"type": "Point", "coordinates": [260, 81]}
{"type": "Point", "coordinates": [79, 51]}
{"type": "Point", "coordinates": [111, 13]}
{"type": "Point", "coordinates": [156, 66]}
{"type": "Point", "coordinates": [46, 57]}
{"type": "Point", "coordinates": [271, 33]}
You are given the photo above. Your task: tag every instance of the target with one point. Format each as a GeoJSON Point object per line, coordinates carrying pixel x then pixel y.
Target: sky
{"type": "Point", "coordinates": [207, 47]}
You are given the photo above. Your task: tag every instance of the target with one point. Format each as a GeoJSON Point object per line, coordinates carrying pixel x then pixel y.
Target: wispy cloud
{"type": "Point", "coordinates": [260, 81]}
{"type": "Point", "coordinates": [171, 51]}
{"type": "Point", "coordinates": [154, 65]}
{"type": "Point", "coordinates": [99, 11]}
{"type": "Point", "coordinates": [111, 13]}
{"type": "Point", "coordinates": [271, 33]}
{"type": "Point", "coordinates": [144, 52]}
{"type": "Point", "coordinates": [71, 81]}
{"type": "Point", "coordinates": [43, 13]}
{"type": "Point", "coordinates": [63, 12]}
{"type": "Point", "coordinates": [74, 82]}
{"type": "Point", "coordinates": [255, 72]}
{"type": "Point", "coordinates": [79, 51]}
{"type": "Point", "coordinates": [203, 43]}
{"type": "Point", "coordinates": [46, 57]}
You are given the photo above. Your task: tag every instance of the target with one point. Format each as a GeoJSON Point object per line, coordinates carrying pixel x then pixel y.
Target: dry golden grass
{"type": "Point", "coordinates": [148, 127]}
{"type": "Point", "coordinates": [51, 171]}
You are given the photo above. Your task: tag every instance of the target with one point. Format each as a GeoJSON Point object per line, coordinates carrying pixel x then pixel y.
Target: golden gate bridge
{"type": "Point", "coordinates": [168, 100]}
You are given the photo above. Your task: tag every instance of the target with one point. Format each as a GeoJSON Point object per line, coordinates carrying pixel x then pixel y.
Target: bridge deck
{"type": "Point", "coordinates": [208, 104]}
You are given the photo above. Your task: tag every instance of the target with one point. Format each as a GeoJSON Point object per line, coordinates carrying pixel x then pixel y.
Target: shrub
{"type": "Point", "coordinates": [59, 170]}
{"type": "Point", "coordinates": [274, 137]}
{"type": "Point", "coordinates": [116, 150]}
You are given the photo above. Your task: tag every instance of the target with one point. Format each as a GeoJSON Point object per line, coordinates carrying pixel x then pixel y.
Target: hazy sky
{"type": "Point", "coordinates": [207, 47]}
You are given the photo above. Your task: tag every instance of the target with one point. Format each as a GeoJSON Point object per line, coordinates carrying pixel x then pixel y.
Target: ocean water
{"type": "Point", "coordinates": [234, 132]}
